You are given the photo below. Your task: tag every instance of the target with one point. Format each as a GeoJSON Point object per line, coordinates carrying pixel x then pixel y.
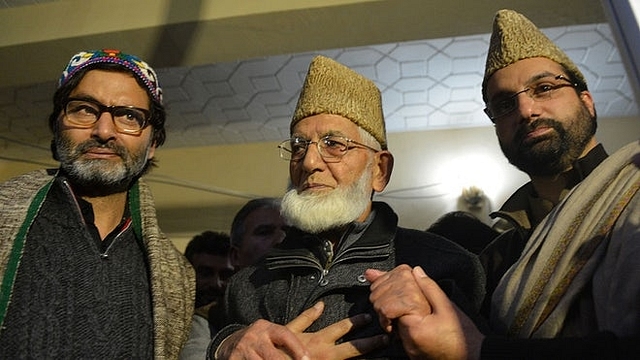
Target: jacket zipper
{"type": "Point", "coordinates": [103, 255]}
{"type": "Point", "coordinates": [328, 250]}
{"type": "Point", "coordinates": [124, 228]}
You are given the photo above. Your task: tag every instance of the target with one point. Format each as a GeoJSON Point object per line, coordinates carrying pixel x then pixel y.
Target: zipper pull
{"type": "Point", "coordinates": [323, 281]}
{"type": "Point", "coordinates": [328, 251]}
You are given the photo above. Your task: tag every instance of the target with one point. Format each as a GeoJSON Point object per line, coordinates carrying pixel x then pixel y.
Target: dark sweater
{"type": "Point", "coordinates": [69, 300]}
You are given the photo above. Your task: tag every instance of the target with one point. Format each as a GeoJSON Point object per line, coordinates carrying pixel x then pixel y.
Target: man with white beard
{"type": "Point", "coordinates": [309, 298]}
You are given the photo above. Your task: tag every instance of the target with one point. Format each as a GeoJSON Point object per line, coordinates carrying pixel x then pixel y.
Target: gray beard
{"type": "Point", "coordinates": [101, 177]}
{"type": "Point", "coordinates": [316, 213]}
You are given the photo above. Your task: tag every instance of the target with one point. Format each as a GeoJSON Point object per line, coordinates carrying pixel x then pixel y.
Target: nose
{"type": "Point", "coordinates": [311, 163]}
{"type": "Point", "coordinates": [105, 127]}
{"type": "Point", "coordinates": [312, 158]}
{"type": "Point", "coordinates": [527, 108]}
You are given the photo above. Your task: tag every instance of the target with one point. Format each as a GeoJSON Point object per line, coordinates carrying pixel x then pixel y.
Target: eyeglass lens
{"type": "Point", "coordinates": [86, 113]}
{"type": "Point", "coordinates": [329, 147]}
{"type": "Point", "coordinates": [540, 90]}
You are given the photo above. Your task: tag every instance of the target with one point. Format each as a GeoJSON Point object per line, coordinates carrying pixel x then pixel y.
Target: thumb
{"type": "Point", "coordinates": [430, 289]}
{"type": "Point", "coordinates": [372, 274]}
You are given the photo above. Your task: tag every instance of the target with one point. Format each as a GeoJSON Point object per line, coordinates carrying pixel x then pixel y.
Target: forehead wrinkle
{"type": "Point", "coordinates": [323, 134]}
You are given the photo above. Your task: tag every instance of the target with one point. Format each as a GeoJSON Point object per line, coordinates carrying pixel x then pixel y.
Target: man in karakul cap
{"type": "Point", "coordinates": [574, 290]}
{"type": "Point", "coordinates": [547, 131]}
{"type": "Point", "coordinates": [338, 158]}
{"type": "Point", "coordinates": [86, 271]}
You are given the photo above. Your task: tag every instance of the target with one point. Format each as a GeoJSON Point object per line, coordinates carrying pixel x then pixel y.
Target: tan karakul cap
{"type": "Point", "coordinates": [515, 38]}
{"type": "Point", "coordinates": [332, 88]}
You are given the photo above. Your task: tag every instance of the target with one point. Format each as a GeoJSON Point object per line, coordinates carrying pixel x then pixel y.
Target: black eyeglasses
{"type": "Point", "coordinates": [540, 90]}
{"type": "Point", "coordinates": [331, 148]}
{"type": "Point", "coordinates": [84, 113]}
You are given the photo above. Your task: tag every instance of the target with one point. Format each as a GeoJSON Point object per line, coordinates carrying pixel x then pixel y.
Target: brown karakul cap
{"type": "Point", "coordinates": [332, 88]}
{"type": "Point", "coordinates": [515, 38]}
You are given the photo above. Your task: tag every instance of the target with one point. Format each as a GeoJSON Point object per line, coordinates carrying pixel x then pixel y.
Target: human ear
{"type": "Point", "coordinates": [151, 152]}
{"type": "Point", "coordinates": [587, 100]}
{"type": "Point", "coordinates": [234, 257]}
{"type": "Point", "coordinates": [382, 168]}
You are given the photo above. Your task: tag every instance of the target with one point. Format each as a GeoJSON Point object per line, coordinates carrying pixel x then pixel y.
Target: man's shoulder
{"type": "Point", "coordinates": [31, 179]}
{"type": "Point", "coordinates": [419, 241]}
{"type": "Point", "coordinates": [416, 247]}
{"type": "Point", "coordinates": [34, 174]}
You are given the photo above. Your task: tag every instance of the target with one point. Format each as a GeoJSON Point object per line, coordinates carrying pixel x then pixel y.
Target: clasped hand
{"type": "Point", "coordinates": [428, 323]}
{"type": "Point", "coordinates": [407, 302]}
{"type": "Point", "coordinates": [266, 340]}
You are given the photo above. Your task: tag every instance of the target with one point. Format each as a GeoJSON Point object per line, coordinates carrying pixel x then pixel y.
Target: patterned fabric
{"type": "Point", "coordinates": [141, 69]}
{"type": "Point", "coordinates": [55, 289]}
{"type": "Point", "coordinates": [514, 38]}
{"type": "Point", "coordinates": [332, 88]}
{"type": "Point", "coordinates": [570, 249]}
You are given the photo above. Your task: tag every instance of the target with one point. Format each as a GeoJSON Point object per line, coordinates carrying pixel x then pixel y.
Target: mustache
{"type": "Point", "coordinates": [93, 144]}
{"type": "Point", "coordinates": [525, 129]}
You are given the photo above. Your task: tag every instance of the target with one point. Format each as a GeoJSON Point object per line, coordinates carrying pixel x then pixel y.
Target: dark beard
{"type": "Point", "coordinates": [93, 177]}
{"type": "Point", "coordinates": [554, 153]}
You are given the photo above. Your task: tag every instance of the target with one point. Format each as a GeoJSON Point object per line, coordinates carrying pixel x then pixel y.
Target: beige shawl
{"type": "Point", "coordinates": [172, 278]}
{"type": "Point", "coordinates": [565, 251]}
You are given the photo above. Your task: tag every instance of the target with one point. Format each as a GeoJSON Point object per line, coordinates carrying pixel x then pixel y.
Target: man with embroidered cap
{"type": "Point", "coordinates": [309, 297]}
{"type": "Point", "coordinates": [574, 287]}
{"type": "Point", "coordinates": [86, 271]}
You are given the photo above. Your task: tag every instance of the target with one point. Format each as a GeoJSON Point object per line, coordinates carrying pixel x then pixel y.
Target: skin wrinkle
{"type": "Point", "coordinates": [323, 195]}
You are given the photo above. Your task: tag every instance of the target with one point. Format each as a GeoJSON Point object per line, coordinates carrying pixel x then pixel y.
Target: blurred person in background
{"type": "Point", "coordinates": [255, 229]}
{"type": "Point", "coordinates": [208, 252]}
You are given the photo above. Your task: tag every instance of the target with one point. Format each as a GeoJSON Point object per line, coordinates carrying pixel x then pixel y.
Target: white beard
{"type": "Point", "coordinates": [316, 213]}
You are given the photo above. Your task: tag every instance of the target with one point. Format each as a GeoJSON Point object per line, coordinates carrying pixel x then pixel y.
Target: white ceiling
{"type": "Point", "coordinates": [427, 83]}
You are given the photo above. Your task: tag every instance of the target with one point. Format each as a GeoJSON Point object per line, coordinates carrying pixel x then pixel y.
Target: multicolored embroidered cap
{"type": "Point", "coordinates": [141, 69]}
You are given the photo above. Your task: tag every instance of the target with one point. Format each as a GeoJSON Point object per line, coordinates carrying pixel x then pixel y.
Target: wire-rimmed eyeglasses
{"type": "Point", "coordinates": [331, 148]}
{"type": "Point", "coordinates": [84, 113]}
{"type": "Point", "coordinates": [540, 90]}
